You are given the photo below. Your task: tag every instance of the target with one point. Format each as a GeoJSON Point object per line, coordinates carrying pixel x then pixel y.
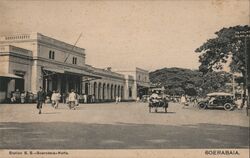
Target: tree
{"type": "Point", "coordinates": [216, 51]}
{"type": "Point", "coordinates": [178, 81]}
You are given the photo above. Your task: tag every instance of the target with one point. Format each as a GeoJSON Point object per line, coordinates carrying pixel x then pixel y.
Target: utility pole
{"type": "Point", "coordinates": [73, 47]}
{"type": "Point", "coordinates": [245, 35]}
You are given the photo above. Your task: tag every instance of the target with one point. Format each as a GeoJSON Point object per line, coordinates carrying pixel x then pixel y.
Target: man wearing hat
{"type": "Point", "coordinates": [40, 99]}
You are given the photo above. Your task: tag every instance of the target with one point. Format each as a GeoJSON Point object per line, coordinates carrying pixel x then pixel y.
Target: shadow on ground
{"type": "Point", "coordinates": [64, 135]}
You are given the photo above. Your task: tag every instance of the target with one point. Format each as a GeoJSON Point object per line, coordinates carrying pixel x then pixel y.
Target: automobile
{"type": "Point", "coordinates": [218, 100]}
{"type": "Point", "coordinates": [158, 100]}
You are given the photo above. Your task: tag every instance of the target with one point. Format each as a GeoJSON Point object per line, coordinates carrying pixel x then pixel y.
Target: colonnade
{"type": "Point", "coordinates": [106, 91]}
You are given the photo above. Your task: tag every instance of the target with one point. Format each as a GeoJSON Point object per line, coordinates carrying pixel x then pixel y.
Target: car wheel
{"type": "Point", "coordinates": [202, 106]}
{"type": "Point", "coordinates": [228, 106]}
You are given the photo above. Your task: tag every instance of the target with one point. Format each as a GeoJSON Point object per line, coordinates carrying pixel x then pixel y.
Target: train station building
{"type": "Point", "coordinates": [30, 61]}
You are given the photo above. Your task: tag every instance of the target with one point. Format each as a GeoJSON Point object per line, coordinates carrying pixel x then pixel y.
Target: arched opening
{"type": "Point", "coordinates": [86, 88]}
{"type": "Point", "coordinates": [119, 93]}
{"type": "Point", "coordinates": [108, 91]}
{"type": "Point", "coordinates": [122, 92]}
{"type": "Point", "coordinates": [115, 91]}
{"type": "Point", "coordinates": [95, 88]}
{"type": "Point", "coordinates": [103, 91]}
{"type": "Point", "coordinates": [111, 92]}
{"type": "Point", "coordinates": [99, 91]}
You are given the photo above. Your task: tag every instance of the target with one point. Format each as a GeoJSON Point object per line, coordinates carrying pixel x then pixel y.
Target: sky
{"type": "Point", "coordinates": [127, 34]}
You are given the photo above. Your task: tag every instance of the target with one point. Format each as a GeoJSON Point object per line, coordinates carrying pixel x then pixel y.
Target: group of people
{"type": "Point", "coordinates": [55, 98]}
{"type": "Point", "coordinates": [185, 100]}
{"type": "Point", "coordinates": [118, 99]}
{"type": "Point", "coordinates": [21, 97]}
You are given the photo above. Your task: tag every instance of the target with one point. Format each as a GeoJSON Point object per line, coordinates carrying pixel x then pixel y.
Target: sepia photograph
{"type": "Point", "coordinates": [124, 78]}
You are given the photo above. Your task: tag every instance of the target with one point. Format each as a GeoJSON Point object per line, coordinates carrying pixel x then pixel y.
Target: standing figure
{"type": "Point", "coordinates": [183, 101]}
{"type": "Point", "coordinates": [72, 99]}
{"type": "Point", "coordinates": [23, 97]}
{"type": "Point", "coordinates": [77, 99]}
{"type": "Point", "coordinates": [64, 95]}
{"type": "Point", "coordinates": [93, 98]}
{"type": "Point", "coordinates": [53, 98]}
{"type": "Point", "coordinates": [85, 98]}
{"type": "Point", "coordinates": [116, 99]}
{"type": "Point", "coordinates": [57, 99]}
{"type": "Point", "coordinates": [40, 99]}
{"type": "Point", "coordinates": [138, 99]}
{"type": "Point", "coordinates": [119, 99]}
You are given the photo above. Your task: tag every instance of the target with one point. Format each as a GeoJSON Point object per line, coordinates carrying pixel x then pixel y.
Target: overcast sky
{"type": "Point", "coordinates": [127, 34]}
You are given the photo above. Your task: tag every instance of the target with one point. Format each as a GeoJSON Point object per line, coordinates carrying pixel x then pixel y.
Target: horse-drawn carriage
{"type": "Point", "coordinates": [158, 100]}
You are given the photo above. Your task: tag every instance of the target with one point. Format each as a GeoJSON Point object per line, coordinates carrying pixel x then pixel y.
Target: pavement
{"type": "Point", "coordinates": [126, 125]}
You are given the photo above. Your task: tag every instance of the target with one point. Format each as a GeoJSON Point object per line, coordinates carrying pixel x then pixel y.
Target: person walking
{"type": "Point", "coordinates": [64, 96]}
{"type": "Point", "coordinates": [72, 99]}
{"type": "Point", "coordinates": [183, 101]}
{"type": "Point", "coordinates": [116, 99]}
{"type": "Point", "coordinates": [57, 97]}
{"type": "Point", "coordinates": [23, 97]}
{"type": "Point", "coordinates": [53, 99]}
{"type": "Point", "coordinates": [40, 99]}
{"type": "Point", "coordinates": [77, 99]}
{"type": "Point", "coordinates": [84, 98]}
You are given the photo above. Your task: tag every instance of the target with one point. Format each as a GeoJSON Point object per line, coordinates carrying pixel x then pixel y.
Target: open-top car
{"type": "Point", "coordinates": [218, 99]}
{"type": "Point", "coordinates": [158, 100]}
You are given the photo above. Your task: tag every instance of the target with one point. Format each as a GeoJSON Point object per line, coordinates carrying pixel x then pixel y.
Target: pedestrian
{"type": "Point", "coordinates": [85, 98]}
{"type": "Point", "coordinates": [23, 97]}
{"type": "Point", "coordinates": [53, 99]}
{"type": "Point", "coordinates": [72, 99]}
{"type": "Point", "coordinates": [13, 97]}
{"type": "Point", "coordinates": [137, 99]}
{"type": "Point", "coordinates": [238, 103]}
{"type": "Point", "coordinates": [16, 96]}
{"type": "Point", "coordinates": [93, 98]}
{"type": "Point", "coordinates": [119, 99]}
{"type": "Point", "coordinates": [64, 96]}
{"type": "Point", "coordinates": [57, 99]}
{"type": "Point", "coordinates": [40, 99]}
{"type": "Point", "coordinates": [183, 101]}
{"type": "Point", "coordinates": [77, 99]}
{"type": "Point", "coordinates": [116, 99]}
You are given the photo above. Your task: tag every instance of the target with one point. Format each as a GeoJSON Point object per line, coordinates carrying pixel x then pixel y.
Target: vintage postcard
{"type": "Point", "coordinates": [124, 78]}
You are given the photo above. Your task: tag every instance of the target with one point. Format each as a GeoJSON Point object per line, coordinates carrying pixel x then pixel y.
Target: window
{"type": "Point", "coordinates": [74, 61]}
{"type": "Point", "coordinates": [51, 54]}
{"type": "Point", "coordinates": [130, 92]}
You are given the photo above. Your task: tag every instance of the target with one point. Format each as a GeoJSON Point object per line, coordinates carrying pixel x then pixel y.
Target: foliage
{"type": "Point", "coordinates": [216, 51]}
{"type": "Point", "coordinates": [179, 81]}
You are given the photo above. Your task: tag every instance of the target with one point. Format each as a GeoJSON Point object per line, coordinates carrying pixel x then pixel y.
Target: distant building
{"type": "Point", "coordinates": [138, 82]}
{"type": "Point", "coordinates": [30, 61]}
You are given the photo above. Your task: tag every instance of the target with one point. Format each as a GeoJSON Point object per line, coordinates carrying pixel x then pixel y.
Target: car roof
{"type": "Point", "coordinates": [219, 94]}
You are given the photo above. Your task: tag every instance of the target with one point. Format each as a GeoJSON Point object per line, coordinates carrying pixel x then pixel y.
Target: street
{"type": "Point", "coordinates": [126, 125]}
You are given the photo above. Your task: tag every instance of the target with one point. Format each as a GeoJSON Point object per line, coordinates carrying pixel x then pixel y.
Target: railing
{"type": "Point", "coordinates": [17, 37]}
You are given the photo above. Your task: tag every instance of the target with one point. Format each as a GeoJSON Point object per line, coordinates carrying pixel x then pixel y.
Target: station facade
{"type": "Point", "coordinates": [30, 61]}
